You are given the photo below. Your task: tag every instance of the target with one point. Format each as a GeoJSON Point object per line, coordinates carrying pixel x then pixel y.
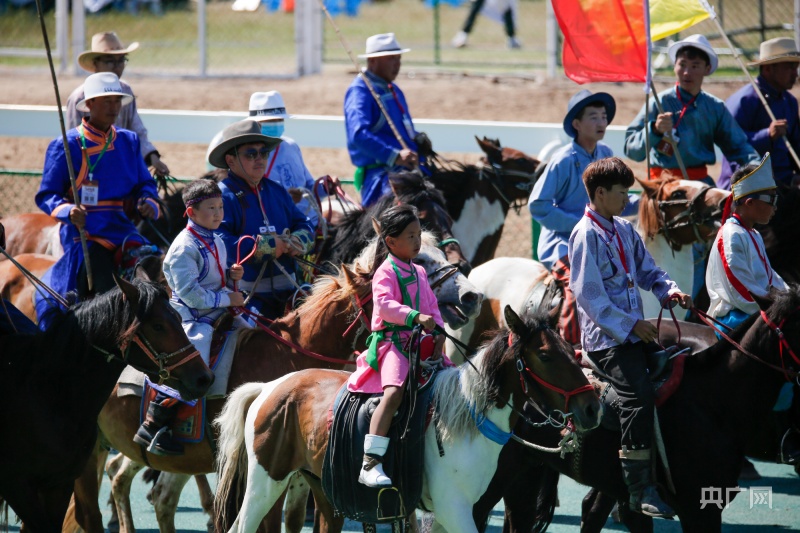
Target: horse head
{"type": "Point", "coordinates": [511, 171]}
{"type": "Point", "coordinates": [544, 364]}
{"type": "Point", "coordinates": [780, 312]}
{"type": "Point", "coordinates": [412, 188]}
{"type": "Point", "coordinates": [136, 325]}
{"type": "Point", "coordinates": [684, 211]}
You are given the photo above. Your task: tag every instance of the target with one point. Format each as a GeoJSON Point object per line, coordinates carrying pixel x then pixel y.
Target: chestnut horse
{"type": "Point", "coordinates": [32, 233]}
{"type": "Point", "coordinates": [272, 430]}
{"type": "Point", "coordinates": [54, 384]}
{"type": "Point", "coordinates": [321, 325]}
{"type": "Point", "coordinates": [16, 288]}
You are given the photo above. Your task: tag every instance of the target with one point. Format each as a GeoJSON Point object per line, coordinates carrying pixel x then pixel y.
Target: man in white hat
{"type": "Point", "coordinates": [777, 65]}
{"type": "Point", "coordinates": [109, 170]}
{"type": "Point", "coordinates": [373, 146]}
{"type": "Point", "coordinates": [108, 54]}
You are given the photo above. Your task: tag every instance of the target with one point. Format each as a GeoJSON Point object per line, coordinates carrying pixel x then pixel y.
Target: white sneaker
{"type": "Point", "coordinates": [513, 43]}
{"type": "Point", "coordinates": [460, 40]}
{"type": "Point", "coordinates": [374, 477]}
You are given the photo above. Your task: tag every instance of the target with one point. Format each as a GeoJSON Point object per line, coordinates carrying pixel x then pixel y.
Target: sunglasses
{"type": "Point", "coordinates": [253, 154]}
{"type": "Point", "coordinates": [771, 199]}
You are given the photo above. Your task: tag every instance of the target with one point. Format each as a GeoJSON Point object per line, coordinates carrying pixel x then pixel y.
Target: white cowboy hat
{"type": "Point", "coordinates": [239, 133]}
{"type": "Point", "coordinates": [695, 41]}
{"type": "Point", "coordinates": [103, 44]}
{"type": "Point", "coordinates": [778, 50]}
{"type": "Point", "coordinates": [267, 106]}
{"type": "Point", "coordinates": [383, 44]}
{"type": "Point", "coordinates": [102, 84]}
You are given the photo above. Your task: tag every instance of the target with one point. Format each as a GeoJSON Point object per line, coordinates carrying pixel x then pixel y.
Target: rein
{"type": "Point", "coordinates": [494, 175]}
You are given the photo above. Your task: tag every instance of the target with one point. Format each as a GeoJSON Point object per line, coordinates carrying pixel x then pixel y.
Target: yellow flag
{"type": "Point", "coordinates": [668, 17]}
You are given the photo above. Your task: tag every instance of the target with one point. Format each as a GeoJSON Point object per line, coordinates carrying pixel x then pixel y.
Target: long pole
{"type": "Point", "coordinates": [368, 83]}
{"type": "Point", "coordinates": [67, 155]}
{"type": "Point", "coordinates": [668, 135]}
{"type": "Point", "coordinates": [755, 87]}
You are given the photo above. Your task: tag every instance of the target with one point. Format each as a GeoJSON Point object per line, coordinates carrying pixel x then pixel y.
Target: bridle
{"type": "Point", "coordinates": [690, 216]}
{"type": "Point", "coordinates": [447, 271]}
{"type": "Point", "coordinates": [495, 175]}
{"type": "Point", "coordinates": [162, 359]}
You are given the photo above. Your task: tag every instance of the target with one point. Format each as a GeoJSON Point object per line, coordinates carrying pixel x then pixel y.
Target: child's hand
{"type": "Point", "coordinates": [684, 300]}
{"type": "Point", "coordinates": [236, 272]}
{"type": "Point", "coordinates": [237, 299]}
{"type": "Point", "coordinates": [645, 331]}
{"type": "Point", "coordinates": [426, 321]}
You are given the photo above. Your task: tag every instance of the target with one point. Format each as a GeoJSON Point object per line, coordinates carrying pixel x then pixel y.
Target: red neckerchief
{"type": "Point", "coordinates": [274, 157]}
{"type": "Point", "coordinates": [685, 106]}
{"type": "Point", "coordinates": [214, 252]}
{"type": "Point", "coordinates": [738, 285]}
{"type": "Point", "coordinates": [620, 248]}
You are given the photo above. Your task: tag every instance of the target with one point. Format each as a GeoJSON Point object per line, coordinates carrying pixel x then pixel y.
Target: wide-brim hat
{"type": "Point", "coordinates": [102, 84]}
{"type": "Point", "coordinates": [700, 42]}
{"type": "Point", "coordinates": [267, 106]}
{"type": "Point", "coordinates": [758, 180]}
{"type": "Point", "coordinates": [383, 44]}
{"type": "Point", "coordinates": [778, 50]}
{"type": "Point", "coordinates": [103, 44]}
{"type": "Point", "coordinates": [243, 132]}
{"type": "Point", "coordinates": [583, 98]}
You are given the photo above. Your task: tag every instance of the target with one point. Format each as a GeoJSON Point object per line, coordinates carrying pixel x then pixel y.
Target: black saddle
{"type": "Point", "coordinates": [403, 461]}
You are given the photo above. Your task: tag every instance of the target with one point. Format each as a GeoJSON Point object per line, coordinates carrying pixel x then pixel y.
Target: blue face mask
{"type": "Point", "coordinates": [273, 129]}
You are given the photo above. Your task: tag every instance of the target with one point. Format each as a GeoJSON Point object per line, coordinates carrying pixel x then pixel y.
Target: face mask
{"type": "Point", "coordinates": [273, 129]}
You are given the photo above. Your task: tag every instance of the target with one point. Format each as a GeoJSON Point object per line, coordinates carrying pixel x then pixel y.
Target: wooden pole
{"type": "Point", "coordinates": [668, 135]}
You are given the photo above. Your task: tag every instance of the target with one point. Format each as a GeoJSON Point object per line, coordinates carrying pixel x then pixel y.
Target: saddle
{"type": "Point", "coordinates": [403, 462]}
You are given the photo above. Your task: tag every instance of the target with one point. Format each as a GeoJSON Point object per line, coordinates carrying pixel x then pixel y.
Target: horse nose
{"type": "Point", "coordinates": [593, 413]}
{"type": "Point", "coordinates": [204, 382]}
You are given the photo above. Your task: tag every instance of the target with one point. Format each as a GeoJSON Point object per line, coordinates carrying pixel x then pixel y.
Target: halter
{"type": "Point", "coordinates": [161, 359]}
{"type": "Point", "coordinates": [447, 271]}
{"type": "Point", "coordinates": [782, 342]}
{"type": "Point", "coordinates": [688, 217]}
{"type": "Point", "coordinates": [495, 174]}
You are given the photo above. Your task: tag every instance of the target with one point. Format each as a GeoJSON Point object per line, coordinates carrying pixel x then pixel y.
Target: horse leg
{"type": "Point", "coordinates": [206, 499]}
{"type": "Point", "coordinates": [164, 496]}
{"type": "Point", "coordinates": [325, 519]}
{"type": "Point", "coordinates": [272, 522]}
{"type": "Point", "coordinates": [83, 512]}
{"type": "Point", "coordinates": [121, 471]}
{"type": "Point", "coordinates": [595, 509]}
{"type": "Point", "coordinates": [296, 500]}
{"type": "Point", "coordinates": [530, 498]}
{"type": "Point", "coordinates": [260, 495]}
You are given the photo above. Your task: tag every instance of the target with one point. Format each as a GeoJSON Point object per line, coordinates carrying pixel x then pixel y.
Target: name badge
{"type": "Point", "coordinates": [272, 229]}
{"type": "Point", "coordinates": [89, 194]}
{"type": "Point", "coordinates": [632, 299]}
{"type": "Point", "coordinates": [262, 230]}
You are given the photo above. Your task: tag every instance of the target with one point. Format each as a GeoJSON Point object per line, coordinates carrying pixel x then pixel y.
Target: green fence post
{"type": "Point", "coordinates": [536, 230]}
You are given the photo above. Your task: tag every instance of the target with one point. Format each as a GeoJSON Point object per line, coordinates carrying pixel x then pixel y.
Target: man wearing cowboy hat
{"type": "Point", "coordinates": [262, 209]}
{"type": "Point", "coordinates": [777, 65]}
{"type": "Point", "coordinates": [109, 170]}
{"type": "Point", "coordinates": [374, 148]}
{"type": "Point", "coordinates": [108, 54]}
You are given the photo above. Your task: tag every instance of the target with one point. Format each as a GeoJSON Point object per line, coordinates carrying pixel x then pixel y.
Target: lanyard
{"type": "Point", "coordinates": [396, 99]}
{"type": "Point", "coordinates": [213, 251]}
{"type": "Point", "coordinates": [767, 269]}
{"type": "Point", "coordinates": [405, 282]}
{"type": "Point", "coordinates": [99, 157]}
{"type": "Point", "coordinates": [620, 248]}
{"type": "Point", "coordinates": [269, 169]}
{"type": "Point", "coordinates": [260, 204]}
{"type": "Point", "coordinates": [685, 106]}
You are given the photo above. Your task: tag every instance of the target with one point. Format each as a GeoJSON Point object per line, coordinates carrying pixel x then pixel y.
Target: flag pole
{"type": "Point", "coordinates": [752, 82]}
{"type": "Point", "coordinates": [67, 155]}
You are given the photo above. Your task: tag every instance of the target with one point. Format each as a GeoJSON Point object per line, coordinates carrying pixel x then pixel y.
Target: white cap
{"type": "Point", "coordinates": [267, 106]}
{"type": "Point", "coordinates": [102, 84]}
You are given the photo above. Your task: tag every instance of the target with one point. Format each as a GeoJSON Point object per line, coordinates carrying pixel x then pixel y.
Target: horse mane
{"type": "Point", "coordinates": [649, 213]}
{"type": "Point", "coordinates": [362, 265]}
{"type": "Point", "coordinates": [460, 392]}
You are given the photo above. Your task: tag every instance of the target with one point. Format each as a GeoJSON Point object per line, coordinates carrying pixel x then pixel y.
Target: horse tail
{"type": "Point", "coordinates": [232, 454]}
{"type": "Point", "coordinates": [546, 499]}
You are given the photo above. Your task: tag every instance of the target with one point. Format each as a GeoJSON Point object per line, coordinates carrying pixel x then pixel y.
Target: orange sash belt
{"type": "Point", "coordinates": [694, 173]}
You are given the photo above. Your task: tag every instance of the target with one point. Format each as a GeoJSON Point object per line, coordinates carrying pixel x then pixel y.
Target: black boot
{"type": "Point", "coordinates": [644, 498]}
{"type": "Point", "coordinates": [155, 433]}
{"type": "Point", "coordinates": [790, 438]}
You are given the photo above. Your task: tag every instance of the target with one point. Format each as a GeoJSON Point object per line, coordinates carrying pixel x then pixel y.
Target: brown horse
{"type": "Point", "coordinates": [54, 384]}
{"type": "Point", "coordinates": [32, 233]}
{"type": "Point", "coordinates": [272, 430]}
{"type": "Point", "coordinates": [16, 288]}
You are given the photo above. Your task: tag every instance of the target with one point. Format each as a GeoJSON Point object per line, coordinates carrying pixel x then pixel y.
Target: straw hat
{"type": "Point", "coordinates": [383, 44]}
{"type": "Point", "coordinates": [239, 133]}
{"type": "Point", "coordinates": [695, 41]}
{"type": "Point", "coordinates": [583, 98]}
{"type": "Point", "coordinates": [779, 50]}
{"type": "Point", "coordinates": [267, 106]}
{"type": "Point", "coordinates": [104, 44]}
{"type": "Point", "coordinates": [102, 84]}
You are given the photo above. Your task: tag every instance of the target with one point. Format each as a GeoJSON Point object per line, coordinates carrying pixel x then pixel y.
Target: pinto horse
{"type": "Point", "coordinates": [16, 288]}
{"type": "Point", "coordinates": [54, 384]}
{"type": "Point", "coordinates": [330, 322]}
{"type": "Point", "coordinates": [272, 430]}
{"type": "Point", "coordinates": [707, 424]}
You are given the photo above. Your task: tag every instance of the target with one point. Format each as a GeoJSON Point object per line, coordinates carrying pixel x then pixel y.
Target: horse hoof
{"type": "Point", "coordinates": [749, 472]}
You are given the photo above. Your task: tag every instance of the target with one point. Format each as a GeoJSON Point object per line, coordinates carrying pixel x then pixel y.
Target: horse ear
{"type": "Point", "coordinates": [376, 226]}
{"type": "Point", "coordinates": [489, 148]}
{"type": "Point", "coordinates": [129, 290]}
{"type": "Point", "coordinates": [649, 187]}
{"type": "Point", "coordinates": [764, 302]}
{"type": "Point", "coordinates": [513, 320]}
{"type": "Point", "coordinates": [348, 274]}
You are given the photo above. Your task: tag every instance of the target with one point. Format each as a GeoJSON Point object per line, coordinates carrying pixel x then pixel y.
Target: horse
{"type": "Point", "coordinates": [707, 424]}
{"type": "Point", "coordinates": [480, 196]}
{"type": "Point", "coordinates": [16, 288]}
{"type": "Point", "coordinates": [54, 384]}
{"type": "Point", "coordinates": [782, 234]}
{"type": "Point", "coordinates": [32, 233]}
{"type": "Point", "coordinates": [273, 430]}
{"type": "Point", "coordinates": [346, 240]}
{"type": "Point", "coordinates": [323, 324]}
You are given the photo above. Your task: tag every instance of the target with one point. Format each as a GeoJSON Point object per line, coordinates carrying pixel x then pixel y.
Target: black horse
{"type": "Point", "coordinates": [54, 384]}
{"type": "Point", "coordinates": [708, 424]}
{"type": "Point", "coordinates": [347, 238]}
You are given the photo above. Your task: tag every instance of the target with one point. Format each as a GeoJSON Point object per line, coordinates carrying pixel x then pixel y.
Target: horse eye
{"type": "Point", "coordinates": [159, 328]}
{"type": "Point", "coordinates": [678, 195]}
{"type": "Point", "coordinates": [545, 357]}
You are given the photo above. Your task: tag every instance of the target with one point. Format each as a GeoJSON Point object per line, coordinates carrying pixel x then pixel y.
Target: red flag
{"type": "Point", "coordinates": [604, 40]}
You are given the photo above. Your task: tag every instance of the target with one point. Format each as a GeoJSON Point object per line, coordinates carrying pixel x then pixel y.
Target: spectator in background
{"type": "Point", "coordinates": [108, 54]}
{"type": "Point", "coordinates": [504, 10]}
